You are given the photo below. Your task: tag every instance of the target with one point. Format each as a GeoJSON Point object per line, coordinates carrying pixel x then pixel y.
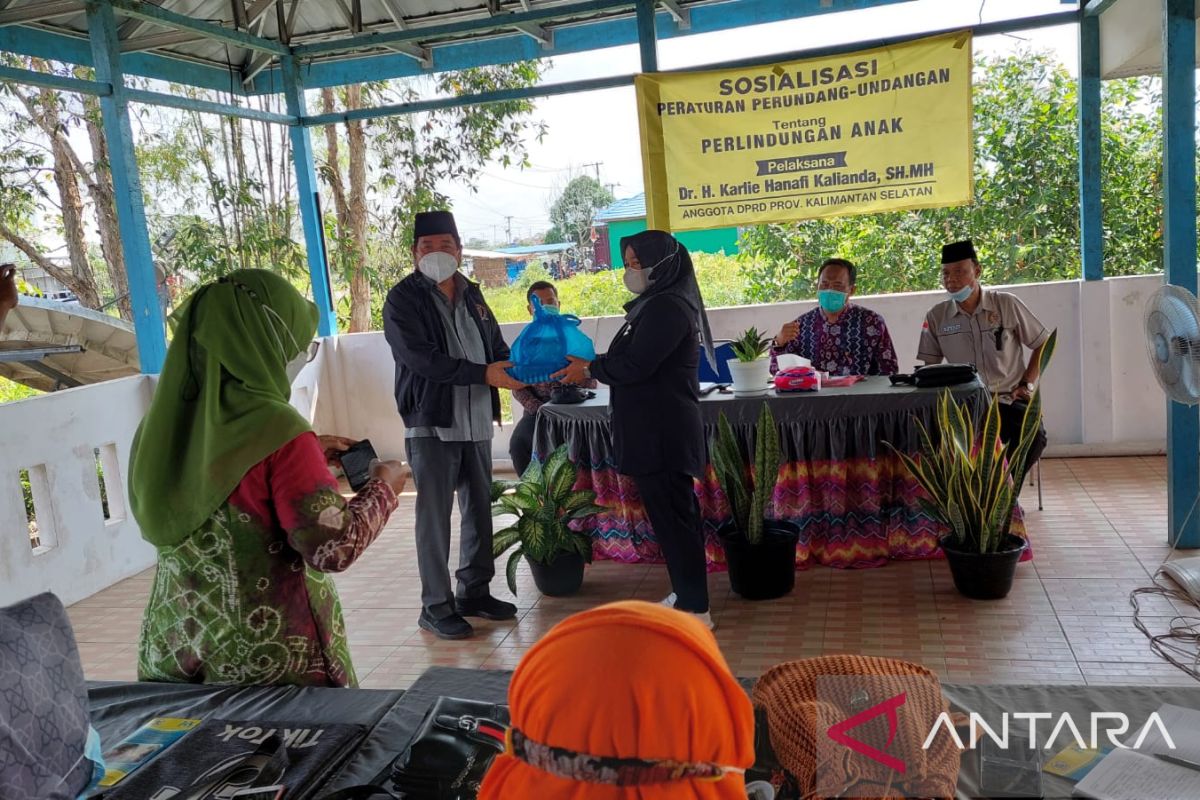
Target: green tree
{"type": "Point", "coordinates": [1024, 218]}
{"type": "Point", "coordinates": [403, 160]}
{"type": "Point", "coordinates": [572, 213]}
{"type": "Point", "coordinates": [219, 192]}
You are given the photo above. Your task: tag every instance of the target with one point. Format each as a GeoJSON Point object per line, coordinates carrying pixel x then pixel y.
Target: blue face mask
{"type": "Point", "coordinates": [962, 294]}
{"type": "Point", "coordinates": [831, 300]}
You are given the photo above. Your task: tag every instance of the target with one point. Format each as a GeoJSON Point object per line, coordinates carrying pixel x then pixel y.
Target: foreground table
{"type": "Point", "coordinates": [393, 717]}
{"type": "Point", "coordinates": [853, 500]}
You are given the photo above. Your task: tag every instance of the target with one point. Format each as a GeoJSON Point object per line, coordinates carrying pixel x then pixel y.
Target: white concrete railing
{"type": "Point", "coordinates": [1100, 395]}
{"type": "Point", "coordinates": [1100, 398]}
{"type": "Point", "coordinates": [55, 438]}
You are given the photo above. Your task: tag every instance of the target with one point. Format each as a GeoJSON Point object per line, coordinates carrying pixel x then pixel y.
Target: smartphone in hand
{"type": "Point", "coordinates": [356, 463]}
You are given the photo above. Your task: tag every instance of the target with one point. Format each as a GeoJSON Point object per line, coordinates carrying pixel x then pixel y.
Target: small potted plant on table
{"type": "Point", "coordinates": [750, 371]}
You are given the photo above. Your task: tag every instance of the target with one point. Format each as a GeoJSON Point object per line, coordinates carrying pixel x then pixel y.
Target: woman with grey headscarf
{"type": "Point", "coordinates": [658, 436]}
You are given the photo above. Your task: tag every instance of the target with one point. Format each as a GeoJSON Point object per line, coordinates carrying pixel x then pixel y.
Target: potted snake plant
{"type": "Point", "coordinates": [544, 502]}
{"type": "Point", "coordinates": [972, 479]}
{"type": "Point", "coordinates": [749, 370]}
{"type": "Point", "coordinates": [760, 552]}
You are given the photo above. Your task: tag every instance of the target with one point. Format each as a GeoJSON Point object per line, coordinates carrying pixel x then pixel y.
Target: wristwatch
{"type": "Point", "coordinates": [1028, 386]}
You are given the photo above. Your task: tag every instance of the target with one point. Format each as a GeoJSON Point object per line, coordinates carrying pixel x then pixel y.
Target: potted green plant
{"type": "Point", "coordinates": [972, 480]}
{"type": "Point", "coordinates": [544, 501]}
{"type": "Point", "coordinates": [749, 370]}
{"type": "Point", "coordinates": [760, 552]}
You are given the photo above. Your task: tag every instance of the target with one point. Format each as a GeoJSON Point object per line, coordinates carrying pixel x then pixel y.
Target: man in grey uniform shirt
{"type": "Point", "coordinates": [991, 330]}
{"type": "Point", "coordinates": [450, 359]}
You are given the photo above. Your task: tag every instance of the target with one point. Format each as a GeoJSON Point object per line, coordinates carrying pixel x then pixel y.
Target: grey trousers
{"type": "Point", "coordinates": [440, 469]}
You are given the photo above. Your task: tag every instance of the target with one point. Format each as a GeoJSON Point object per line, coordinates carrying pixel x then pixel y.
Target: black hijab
{"type": "Point", "coordinates": [673, 275]}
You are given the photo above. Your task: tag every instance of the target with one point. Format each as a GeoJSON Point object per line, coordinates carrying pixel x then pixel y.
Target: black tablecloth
{"type": "Point", "coordinates": [393, 716]}
{"type": "Point", "coordinates": [119, 709]}
{"type": "Point", "coordinates": [829, 425]}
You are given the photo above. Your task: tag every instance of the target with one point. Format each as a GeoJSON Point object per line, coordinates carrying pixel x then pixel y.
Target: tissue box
{"type": "Point", "coordinates": [797, 379]}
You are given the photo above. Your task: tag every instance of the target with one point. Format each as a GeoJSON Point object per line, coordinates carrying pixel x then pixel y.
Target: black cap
{"type": "Point", "coordinates": [434, 223]}
{"type": "Point", "coordinates": [958, 251]}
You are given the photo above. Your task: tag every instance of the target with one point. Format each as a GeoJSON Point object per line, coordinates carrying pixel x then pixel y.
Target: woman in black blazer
{"type": "Point", "coordinates": [658, 436]}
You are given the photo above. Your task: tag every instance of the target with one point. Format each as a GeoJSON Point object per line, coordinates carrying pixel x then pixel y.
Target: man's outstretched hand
{"type": "Point", "coordinates": [496, 376]}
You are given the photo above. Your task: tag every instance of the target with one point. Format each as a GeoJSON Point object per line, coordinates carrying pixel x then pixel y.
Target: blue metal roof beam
{"type": "Point", "coordinates": [569, 37]}
{"type": "Point", "coordinates": [160, 16]}
{"type": "Point", "coordinates": [499, 96]}
{"type": "Point", "coordinates": [1096, 7]}
{"type": "Point", "coordinates": [985, 29]}
{"type": "Point", "coordinates": [481, 25]}
{"type": "Point", "coordinates": [102, 89]}
{"type": "Point", "coordinates": [46, 80]}
{"type": "Point", "coordinates": [53, 46]}
{"type": "Point", "coordinates": [205, 106]}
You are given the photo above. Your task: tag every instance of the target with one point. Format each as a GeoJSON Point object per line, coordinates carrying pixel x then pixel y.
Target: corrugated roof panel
{"type": "Point", "coordinates": [326, 21]}
{"type": "Point", "coordinates": [628, 208]}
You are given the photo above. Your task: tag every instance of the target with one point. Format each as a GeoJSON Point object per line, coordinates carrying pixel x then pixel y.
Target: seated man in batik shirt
{"type": "Point", "coordinates": [838, 337]}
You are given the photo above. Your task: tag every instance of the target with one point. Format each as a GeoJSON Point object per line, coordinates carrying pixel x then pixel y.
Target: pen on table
{"type": "Point", "coordinates": [1181, 762]}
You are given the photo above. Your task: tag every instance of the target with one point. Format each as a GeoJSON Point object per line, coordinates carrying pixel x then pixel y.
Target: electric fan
{"type": "Point", "coordinates": [1173, 343]}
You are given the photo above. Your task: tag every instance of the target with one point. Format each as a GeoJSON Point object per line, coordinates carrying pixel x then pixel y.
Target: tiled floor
{"type": "Point", "coordinates": [1068, 619]}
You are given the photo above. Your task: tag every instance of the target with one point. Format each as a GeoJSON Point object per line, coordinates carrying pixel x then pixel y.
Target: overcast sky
{"type": "Point", "coordinates": [602, 126]}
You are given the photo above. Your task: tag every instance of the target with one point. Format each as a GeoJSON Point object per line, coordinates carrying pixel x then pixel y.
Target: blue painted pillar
{"type": "Point", "coordinates": [1091, 232]}
{"type": "Point", "coordinates": [647, 35]}
{"type": "Point", "coordinates": [1179, 237]}
{"type": "Point", "coordinates": [127, 187]}
{"type": "Point", "coordinates": [306, 188]}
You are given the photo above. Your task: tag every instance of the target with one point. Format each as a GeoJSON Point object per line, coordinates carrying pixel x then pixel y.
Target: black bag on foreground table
{"type": "Point", "coordinates": [222, 756]}
{"type": "Point", "coordinates": [451, 751]}
{"type": "Point", "coordinates": [935, 375]}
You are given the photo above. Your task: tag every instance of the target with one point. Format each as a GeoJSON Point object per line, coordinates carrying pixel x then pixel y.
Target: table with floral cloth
{"type": "Point", "coordinates": [853, 500]}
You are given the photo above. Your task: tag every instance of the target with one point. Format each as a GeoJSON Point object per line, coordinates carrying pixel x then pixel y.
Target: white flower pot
{"type": "Point", "coordinates": [750, 378]}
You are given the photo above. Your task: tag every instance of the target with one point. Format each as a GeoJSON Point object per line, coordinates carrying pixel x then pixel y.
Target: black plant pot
{"type": "Point", "coordinates": [561, 577]}
{"type": "Point", "coordinates": [762, 571]}
{"type": "Point", "coordinates": [984, 576]}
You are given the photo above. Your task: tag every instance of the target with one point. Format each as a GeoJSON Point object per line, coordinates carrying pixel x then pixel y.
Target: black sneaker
{"type": "Point", "coordinates": [487, 607]}
{"type": "Point", "coordinates": [451, 627]}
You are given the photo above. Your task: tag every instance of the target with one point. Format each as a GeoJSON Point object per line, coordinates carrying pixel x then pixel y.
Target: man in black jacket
{"type": "Point", "coordinates": [450, 360]}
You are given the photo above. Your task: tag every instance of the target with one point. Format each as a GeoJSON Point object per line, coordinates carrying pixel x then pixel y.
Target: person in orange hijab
{"type": "Point", "coordinates": [628, 700]}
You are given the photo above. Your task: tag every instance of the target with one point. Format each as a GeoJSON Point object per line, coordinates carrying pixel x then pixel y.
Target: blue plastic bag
{"type": "Point", "coordinates": [542, 348]}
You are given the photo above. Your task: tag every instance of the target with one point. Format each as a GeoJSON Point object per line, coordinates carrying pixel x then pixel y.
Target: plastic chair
{"type": "Point", "coordinates": [724, 352]}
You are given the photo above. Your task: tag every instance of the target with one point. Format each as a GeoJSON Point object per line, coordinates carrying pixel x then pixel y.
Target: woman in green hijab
{"type": "Point", "coordinates": [231, 485]}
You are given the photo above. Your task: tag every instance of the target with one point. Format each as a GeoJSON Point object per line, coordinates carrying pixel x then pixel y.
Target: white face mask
{"type": "Point", "coordinates": [637, 280]}
{"type": "Point", "coordinates": [438, 266]}
{"type": "Point", "coordinates": [295, 366]}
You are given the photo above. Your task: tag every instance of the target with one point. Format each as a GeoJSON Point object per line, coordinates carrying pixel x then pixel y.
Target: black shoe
{"type": "Point", "coordinates": [487, 607]}
{"type": "Point", "coordinates": [451, 627]}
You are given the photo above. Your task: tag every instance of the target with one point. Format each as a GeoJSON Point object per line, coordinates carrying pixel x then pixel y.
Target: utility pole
{"type": "Point", "coordinates": [597, 165]}
{"type": "Point", "coordinates": [508, 228]}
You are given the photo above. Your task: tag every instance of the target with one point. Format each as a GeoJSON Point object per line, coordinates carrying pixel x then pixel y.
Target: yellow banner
{"type": "Point", "coordinates": [878, 130]}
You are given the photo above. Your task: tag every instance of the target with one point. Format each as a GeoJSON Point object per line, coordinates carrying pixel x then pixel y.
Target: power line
{"type": "Point", "coordinates": [517, 183]}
